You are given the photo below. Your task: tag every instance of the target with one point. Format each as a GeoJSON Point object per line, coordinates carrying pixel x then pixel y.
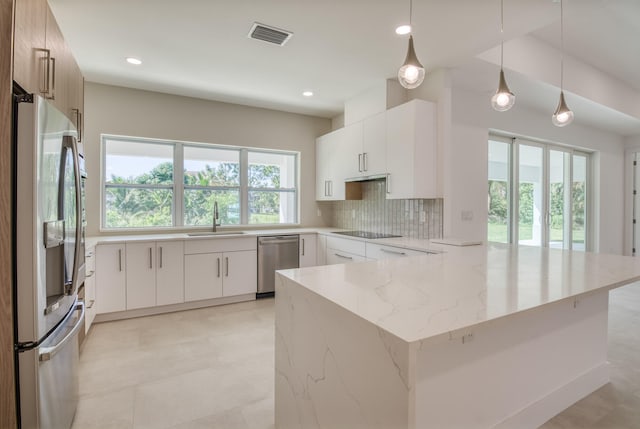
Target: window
{"type": "Point", "coordinates": [150, 183]}
{"type": "Point", "coordinates": [138, 184]}
{"type": "Point", "coordinates": [272, 188]}
{"type": "Point", "coordinates": [210, 175]}
{"type": "Point", "coordinates": [538, 194]}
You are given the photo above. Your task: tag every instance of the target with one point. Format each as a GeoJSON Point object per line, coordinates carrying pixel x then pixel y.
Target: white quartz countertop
{"type": "Point", "coordinates": [432, 296]}
{"type": "Point", "coordinates": [106, 239]}
{"type": "Point", "coordinates": [404, 242]}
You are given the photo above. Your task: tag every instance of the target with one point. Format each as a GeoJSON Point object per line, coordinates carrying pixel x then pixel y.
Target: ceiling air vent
{"type": "Point", "coordinates": [269, 34]}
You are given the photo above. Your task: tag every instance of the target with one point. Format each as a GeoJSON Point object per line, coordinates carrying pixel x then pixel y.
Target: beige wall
{"type": "Point", "coordinates": [129, 112]}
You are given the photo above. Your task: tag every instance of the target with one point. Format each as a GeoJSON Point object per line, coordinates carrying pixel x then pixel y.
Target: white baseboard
{"type": "Point", "coordinates": [150, 311]}
{"type": "Point", "coordinates": [560, 399]}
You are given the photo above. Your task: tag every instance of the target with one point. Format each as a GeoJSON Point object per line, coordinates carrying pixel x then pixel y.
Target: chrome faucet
{"type": "Point", "coordinates": [216, 216]}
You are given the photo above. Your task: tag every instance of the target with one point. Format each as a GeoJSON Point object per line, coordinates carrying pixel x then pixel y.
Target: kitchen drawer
{"type": "Point", "coordinates": [90, 260]}
{"type": "Point", "coordinates": [345, 245]}
{"type": "Point", "coordinates": [340, 257]}
{"type": "Point", "coordinates": [378, 251]}
{"type": "Point", "coordinates": [212, 245]}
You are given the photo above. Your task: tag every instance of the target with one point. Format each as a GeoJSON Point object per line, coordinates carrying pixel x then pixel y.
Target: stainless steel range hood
{"type": "Point", "coordinates": [366, 178]}
{"type": "Point", "coordinates": [353, 185]}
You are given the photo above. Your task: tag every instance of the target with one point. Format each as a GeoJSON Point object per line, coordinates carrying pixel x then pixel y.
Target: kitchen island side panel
{"type": "Point", "coordinates": [518, 371]}
{"type": "Point", "coordinates": [334, 369]}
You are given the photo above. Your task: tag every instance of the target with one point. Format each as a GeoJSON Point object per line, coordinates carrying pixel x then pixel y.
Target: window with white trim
{"type": "Point", "coordinates": [153, 183]}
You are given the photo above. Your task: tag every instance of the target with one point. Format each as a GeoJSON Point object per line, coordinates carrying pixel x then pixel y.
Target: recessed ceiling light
{"type": "Point", "coordinates": [308, 93]}
{"type": "Point", "coordinates": [134, 61]}
{"type": "Point", "coordinates": [403, 29]}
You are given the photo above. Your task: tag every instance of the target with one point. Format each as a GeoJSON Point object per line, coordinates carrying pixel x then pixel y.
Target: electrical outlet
{"type": "Point", "coordinates": [466, 215]}
{"type": "Point", "coordinates": [319, 213]}
{"type": "Point", "coordinates": [423, 217]}
{"type": "Point", "coordinates": [353, 213]}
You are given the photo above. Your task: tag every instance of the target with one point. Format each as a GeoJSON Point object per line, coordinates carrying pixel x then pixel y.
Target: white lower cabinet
{"type": "Point", "coordinates": [343, 251]}
{"type": "Point", "coordinates": [154, 274]}
{"type": "Point", "coordinates": [321, 250]}
{"type": "Point", "coordinates": [378, 251]}
{"type": "Point", "coordinates": [169, 272]}
{"type": "Point", "coordinates": [202, 276]}
{"type": "Point", "coordinates": [140, 275]}
{"type": "Point", "coordinates": [111, 286]}
{"type": "Point", "coordinates": [240, 273]}
{"type": "Point", "coordinates": [90, 288]}
{"type": "Point", "coordinates": [308, 253]}
{"type": "Point", "coordinates": [214, 275]}
{"type": "Point", "coordinates": [220, 267]}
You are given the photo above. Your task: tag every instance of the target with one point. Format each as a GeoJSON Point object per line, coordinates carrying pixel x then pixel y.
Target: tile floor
{"type": "Point", "coordinates": [213, 368]}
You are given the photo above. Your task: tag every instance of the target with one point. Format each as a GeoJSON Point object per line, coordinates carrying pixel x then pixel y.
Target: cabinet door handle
{"type": "Point", "coordinates": [388, 183]}
{"type": "Point", "coordinates": [119, 259]}
{"type": "Point", "coordinates": [360, 162]}
{"type": "Point", "coordinates": [46, 71]}
{"type": "Point", "coordinates": [365, 165]}
{"type": "Point", "coordinates": [52, 92]}
{"type": "Point", "coordinates": [342, 256]}
{"type": "Point", "coordinates": [78, 123]}
{"type": "Point", "coordinates": [150, 258]}
{"type": "Point", "coordinates": [226, 263]}
{"type": "Point", "coordinates": [326, 188]}
{"type": "Point", "coordinates": [303, 247]}
{"type": "Point", "coordinates": [218, 267]}
{"type": "Point", "coordinates": [160, 256]}
{"type": "Point", "coordinates": [93, 301]}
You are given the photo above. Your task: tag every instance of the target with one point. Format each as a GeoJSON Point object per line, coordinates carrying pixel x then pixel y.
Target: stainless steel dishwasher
{"type": "Point", "coordinates": [275, 252]}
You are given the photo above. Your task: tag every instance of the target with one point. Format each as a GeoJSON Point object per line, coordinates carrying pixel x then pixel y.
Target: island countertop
{"type": "Point", "coordinates": [430, 297]}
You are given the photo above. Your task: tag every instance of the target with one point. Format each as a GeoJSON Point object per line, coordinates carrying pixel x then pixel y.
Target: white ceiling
{"type": "Point", "coordinates": [339, 48]}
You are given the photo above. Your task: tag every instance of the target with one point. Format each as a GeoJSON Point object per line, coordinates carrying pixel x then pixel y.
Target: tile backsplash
{"type": "Point", "coordinates": [377, 214]}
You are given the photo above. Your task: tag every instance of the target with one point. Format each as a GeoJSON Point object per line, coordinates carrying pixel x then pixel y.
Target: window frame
{"type": "Point", "coordinates": [178, 188]}
{"type": "Point", "coordinates": [280, 190]}
{"type": "Point", "coordinates": [514, 176]}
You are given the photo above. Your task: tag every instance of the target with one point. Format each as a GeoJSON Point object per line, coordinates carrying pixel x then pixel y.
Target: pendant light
{"type": "Point", "coordinates": [503, 99]}
{"type": "Point", "coordinates": [563, 115]}
{"type": "Point", "coordinates": [411, 74]}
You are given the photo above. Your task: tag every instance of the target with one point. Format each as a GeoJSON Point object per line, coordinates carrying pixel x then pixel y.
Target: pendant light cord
{"type": "Point", "coordinates": [501, 33]}
{"type": "Point", "coordinates": [561, 47]}
{"type": "Point", "coordinates": [410, 15]}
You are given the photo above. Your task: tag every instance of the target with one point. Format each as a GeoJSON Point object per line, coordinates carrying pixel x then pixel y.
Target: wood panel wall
{"type": "Point", "coordinates": [7, 392]}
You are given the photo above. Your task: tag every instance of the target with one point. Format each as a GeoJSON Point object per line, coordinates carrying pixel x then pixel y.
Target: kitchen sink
{"type": "Point", "coordinates": [204, 234]}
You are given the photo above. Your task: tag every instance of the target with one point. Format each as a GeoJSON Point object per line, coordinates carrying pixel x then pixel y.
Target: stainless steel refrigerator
{"type": "Point", "coordinates": [49, 263]}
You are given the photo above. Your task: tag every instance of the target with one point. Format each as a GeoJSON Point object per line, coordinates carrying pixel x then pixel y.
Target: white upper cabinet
{"type": "Point", "coordinates": [400, 143]}
{"type": "Point", "coordinates": [374, 145]}
{"type": "Point", "coordinates": [336, 159]}
{"type": "Point", "coordinates": [348, 156]}
{"type": "Point", "coordinates": [412, 164]}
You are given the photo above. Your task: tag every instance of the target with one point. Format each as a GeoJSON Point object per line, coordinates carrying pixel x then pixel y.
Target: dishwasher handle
{"type": "Point", "coordinates": [277, 240]}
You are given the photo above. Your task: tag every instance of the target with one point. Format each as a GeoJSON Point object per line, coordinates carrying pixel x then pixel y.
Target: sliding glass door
{"type": "Point", "coordinates": [537, 194]}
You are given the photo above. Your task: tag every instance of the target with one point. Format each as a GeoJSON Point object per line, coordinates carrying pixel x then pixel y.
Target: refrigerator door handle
{"type": "Point", "coordinates": [46, 353]}
{"type": "Point", "coordinates": [71, 143]}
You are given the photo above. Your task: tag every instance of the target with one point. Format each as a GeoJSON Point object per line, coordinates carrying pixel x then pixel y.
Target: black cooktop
{"type": "Point", "coordinates": [367, 234]}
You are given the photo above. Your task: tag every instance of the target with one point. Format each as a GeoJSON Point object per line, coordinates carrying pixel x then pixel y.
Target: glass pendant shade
{"type": "Point", "coordinates": [563, 115]}
{"type": "Point", "coordinates": [503, 99]}
{"type": "Point", "coordinates": [411, 74]}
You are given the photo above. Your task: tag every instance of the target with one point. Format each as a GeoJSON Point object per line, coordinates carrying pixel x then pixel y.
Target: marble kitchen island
{"type": "Point", "coordinates": [477, 337]}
